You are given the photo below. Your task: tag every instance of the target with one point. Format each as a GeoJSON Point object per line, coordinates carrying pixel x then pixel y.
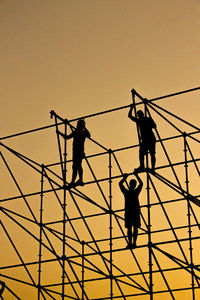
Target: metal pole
{"type": "Point", "coordinates": [110, 223]}
{"type": "Point", "coordinates": [64, 215]}
{"type": "Point", "coordinates": [189, 216]}
{"type": "Point", "coordinates": [83, 271]}
{"type": "Point", "coordinates": [149, 224]}
{"type": "Point", "coordinates": [59, 146]}
{"type": "Point", "coordinates": [99, 113]}
{"type": "Point", "coordinates": [149, 239]}
{"type": "Point", "coordinates": [40, 238]}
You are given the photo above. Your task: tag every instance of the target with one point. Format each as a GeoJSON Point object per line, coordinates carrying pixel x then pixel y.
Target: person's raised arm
{"type": "Point", "coordinates": [121, 183]}
{"type": "Point", "coordinates": [130, 114]}
{"type": "Point", "coordinates": [65, 136]}
{"type": "Point", "coordinates": [87, 133]}
{"type": "Point", "coordinates": [139, 180]}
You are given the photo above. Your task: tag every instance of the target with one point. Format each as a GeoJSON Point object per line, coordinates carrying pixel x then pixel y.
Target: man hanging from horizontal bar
{"type": "Point", "coordinates": [132, 208]}
{"type": "Point", "coordinates": [79, 135]}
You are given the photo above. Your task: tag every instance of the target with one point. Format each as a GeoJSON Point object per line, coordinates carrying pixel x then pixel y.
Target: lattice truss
{"type": "Point", "coordinates": [59, 243]}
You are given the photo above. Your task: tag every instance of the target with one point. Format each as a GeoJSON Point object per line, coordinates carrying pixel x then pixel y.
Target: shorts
{"type": "Point", "coordinates": [148, 146]}
{"type": "Point", "coordinates": [77, 159]}
{"type": "Point", "coordinates": [132, 220]}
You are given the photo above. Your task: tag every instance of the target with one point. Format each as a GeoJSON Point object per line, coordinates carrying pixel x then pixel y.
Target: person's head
{"type": "Point", "coordinates": [140, 113]}
{"type": "Point", "coordinates": [80, 124]}
{"type": "Point", "coordinates": [132, 184]}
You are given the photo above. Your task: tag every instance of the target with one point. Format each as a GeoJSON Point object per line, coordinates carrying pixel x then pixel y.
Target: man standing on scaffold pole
{"type": "Point", "coordinates": [148, 140]}
{"type": "Point", "coordinates": [132, 208]}
{"type": "Point", "coordinates": [79, 134]}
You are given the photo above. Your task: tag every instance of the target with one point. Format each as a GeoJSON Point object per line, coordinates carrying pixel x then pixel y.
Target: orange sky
{"type": "Point", "coordinates": [80, 57]}
{"type": "Point", "coordinates": [57, 54]}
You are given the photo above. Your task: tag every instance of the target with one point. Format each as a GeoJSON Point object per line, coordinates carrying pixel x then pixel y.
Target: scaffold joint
{"type": "Point", "coordinates": [184, 134]}
{"type": "Point", "coordinates": [52, 113]}
{"type": "Point", "coordinates": [63, 257]}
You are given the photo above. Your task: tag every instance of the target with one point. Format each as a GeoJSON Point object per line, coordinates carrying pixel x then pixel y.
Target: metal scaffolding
{"type": "Point", "coordinates": [78, 236]}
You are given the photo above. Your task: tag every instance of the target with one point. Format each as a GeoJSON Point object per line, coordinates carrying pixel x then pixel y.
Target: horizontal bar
{"type": "Point", "coordinates": [102, 252]}
{"type": "Point", "coordinates": [94, 181]}
{"type": "Point", "coordinates": [100, 113]}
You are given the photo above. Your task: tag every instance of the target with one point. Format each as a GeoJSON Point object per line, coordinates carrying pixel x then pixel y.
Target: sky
{"type": "Point", "coordinates": [82, 57]}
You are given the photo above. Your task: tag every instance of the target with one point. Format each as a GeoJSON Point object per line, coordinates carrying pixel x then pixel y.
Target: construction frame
{"type": "Point", "coordinates": [71, 248]}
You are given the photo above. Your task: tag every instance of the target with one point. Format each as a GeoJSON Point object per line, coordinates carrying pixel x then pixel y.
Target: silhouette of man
{"type": "Point", "coordinates": [79, 135]}
{"type": "Point", "coordinates": [2, 288]}
{"type": "Point", "coordinates": [148, 140]}
{"type": "Point", "coordinates": [132, 208]}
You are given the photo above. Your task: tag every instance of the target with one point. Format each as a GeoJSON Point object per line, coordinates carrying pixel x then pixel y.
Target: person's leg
{"type": "Point", "coordinates": [141, 157]}
{"type": "Point", "coordinates": [135, 234]}
{"type": "Point", "coordinates": [74, 170]}
{"type": "Point", "coordinates": [80, 172]}
{"type": "Point", "coordinates": [153, 160]}
{"type": "Point", "coordinates": [152, 152]}
{"type": "Point", "coordinates": [74, 174]}
{"type": "Point", "coordinates": [129, 233]}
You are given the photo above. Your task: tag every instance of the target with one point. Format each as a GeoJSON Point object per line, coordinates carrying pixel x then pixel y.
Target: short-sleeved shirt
{"type": "Point", "coordinates": [132, 206]}
{"type": "Point", "coordinates": [146, 125]}
{"type": "Point", "coordinates": [79, 136]}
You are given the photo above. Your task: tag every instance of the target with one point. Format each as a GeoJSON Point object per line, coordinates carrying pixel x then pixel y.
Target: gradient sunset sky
{"type": "Point", "coordinates": [79, 57]}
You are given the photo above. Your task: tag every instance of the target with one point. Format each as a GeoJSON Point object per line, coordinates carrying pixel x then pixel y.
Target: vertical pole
{"type": "Point", "coordinates": [110, 221]}
{"type": "Point", "coordinates": [149, 238]}
{"type": "Point", "coordinates": [58, 139]}
{"type": "Point", "coordinates": [149, 225]}
{"type": "Point", "coordinates": [83, 252]}
{"type": "Point", "coordinates": [64, 215]}
{"type": "Point", "coordinates": [189, 216]}
{"type": "Point", "coordinates": [40, 237]}
{"type": "Point", "coordinates": [138, 132]}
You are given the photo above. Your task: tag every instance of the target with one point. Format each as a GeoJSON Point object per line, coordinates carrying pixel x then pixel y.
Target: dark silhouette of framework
{"type": "Point", "coordinates": [92, 268]}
